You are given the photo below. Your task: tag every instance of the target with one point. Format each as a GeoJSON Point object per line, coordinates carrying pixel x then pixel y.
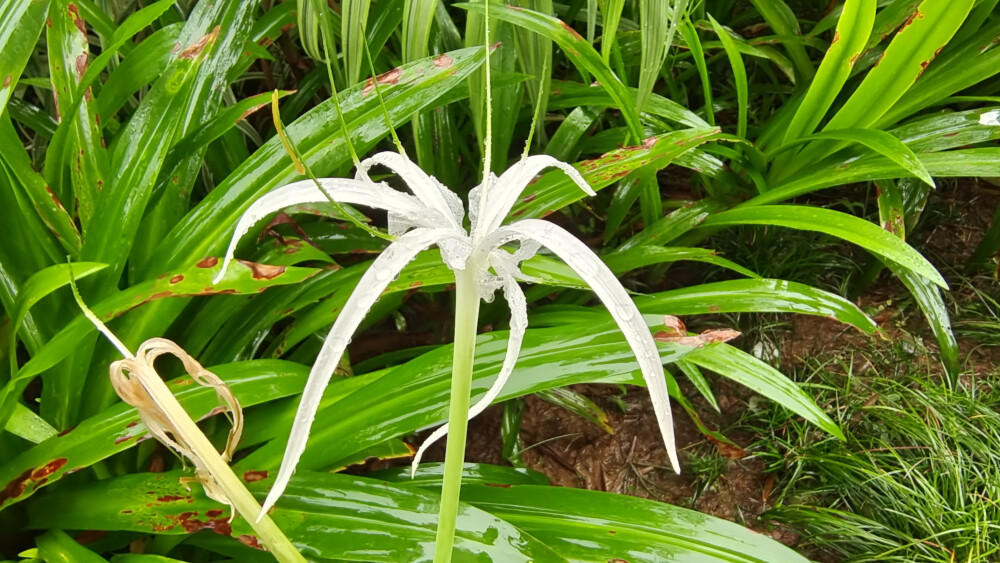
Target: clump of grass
{"type": "Point", "coordinates": [917, 480]}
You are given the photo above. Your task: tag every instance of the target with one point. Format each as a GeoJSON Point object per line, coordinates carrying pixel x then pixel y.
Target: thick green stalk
{"type": "Point", "coordinates": [466, 321]}
{"type": "Point", "coordinates": [243, 502]}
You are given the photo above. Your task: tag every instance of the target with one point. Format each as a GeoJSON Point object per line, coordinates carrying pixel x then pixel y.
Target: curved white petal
{"type": "Point", "coordinates": [505, 191]}
{"type": "Point", "coordinates": [607, 287]}
{"type": "Point", "coordinates": [427, 188]}
{"type": "Point", "coordinates": [379, 196]}
{"type": "Point", "coordinates": [518, 324]}
{"type": "Point", "coordinates": [383, 270]}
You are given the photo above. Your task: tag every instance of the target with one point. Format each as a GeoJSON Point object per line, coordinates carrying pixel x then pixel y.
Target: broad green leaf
{"type": "Point", "coordinates": [554, 191]}
{"type": "Point", "coordinates": [673, 225]}
{"type": "Point", "coordinates": [20, 25]}
{"type": "Point", "coordinates": [418, 16]}
{"type": "Point", "coordinates": [758, 376]}
{"type": "Point", "coordinates": [414, 395]}
{"type": "Point", "coordinates": [906, 57]}
{"type": "Point", "coordinates": [118, 428]}
{"type": "Point", "coordinates": [315, 134]}
{"type": "Point", "coordinates": [577, 404]}
{"type": "Point", "coordinates": [881, 142]}
{"type": "Point", "coordinates": [362, 519]}
{"type": "Point", "coordinates": [39, 285]}
{"type": "Point", "coordinates": [77, 147]}
{"type": "Point", "coordinates": [891, 213]}
{"type": "Point", "coordinates": [24, 423]}
{"type": "Point", "coordinates": [598, 527]}
{"type": "Point", "coordinates": [739, 75]}
{"type": "Point", "coordinates": [244, 278]}
{"type": "Point", "coordinates": [354, 23]}
{"type": "Point", "coordinates": [611, 15]}
{"type": "Point", "coordinates": [758, 296]}
{"type": "Point", "coordinates": [951, 164]}
{"type": "Point", "coordinates": [577, 49]}
{"type": "Point", "coordinates": [44, 201]}
{"type": "Point", "coordinates": [693, 42]}
{"type": "Point", "coordinates": [550, 271]}
{"type": "Point", "coordinates": [968, 64]}
{"type": "Point", "coordinates": [785, 25]}
{"type": "Point", "coordinates": [570, 95]}
{"type": "Point", "coordinates": [853, 29]}
{"type": "Point", "coordinates": [429, 475]}
{"type": "Point", "coordinates": [847, 227]}
{"type": "Point", "coordinates": [140, 68]}
{"type": "Point", "coordinates": [55, 546]}
{"type": "Point", "coordinates": [654, 31]}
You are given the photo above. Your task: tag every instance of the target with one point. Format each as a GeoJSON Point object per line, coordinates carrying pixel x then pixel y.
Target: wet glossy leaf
{"type": "Point", "coordinates": [20, 25]}
{"type": "Point", "coordinates": [554, 191]}
{"type": "Point", "coordinates": [757, 375]}
{"type": "Point", "coordinates": [118, 428]}
{"type": "Point", "coordinates": [755, 295]}
{"type": "Point", "coordinates": [847, 227]}
{"type": "Point", "coordinates": [247, 278]}
{"type": "Point", "coordinates": [578, 50]}
{"type": "Point", "coordinates": [598, 527]}
{"type": "Point", "coordinates": [331, 516]}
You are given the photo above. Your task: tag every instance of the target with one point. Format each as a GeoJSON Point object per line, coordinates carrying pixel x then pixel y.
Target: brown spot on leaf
{"type": "Point", "coordinates": [77, 20]}
{"type": "Point", "coordinates": [391, 78]}
{"type": "Point", "coordinates": [195, 49]}
{"type": "Point", "coordinates": [263, 271]}
{"type": "Point", "coordinates": [49, 468]}
{"type": "Point", "coordinates": [250, 541]}
{"type": "Point", "coordinates": [209, 262]}
{"type": "Point", "coordinates": [443, 61]}
{"type": "Point", "coordinates": [255, 475]}
{"type": "Point", "coordinates": [836, 37]}
{"type": "Point", "coordinates": [16, 487]}
{"type": "Point", "coordinates": [177, 279]}
{"type": "Point", "coordinates": [132, 424]}
{"type": "Point", "coordinates": [122, 439]}
{"type": "Point", "coordinates": [66, 431]}
{"type": "Point", "coordinates": [55, 199]}
{"type": "Point", "coordinates": [498, 485]}
{"type": "Point", "coordinates": [568, 28]}
{"type": "Point", "coordinates": [214, 513]}
{"type": "Point", "coordinates": [170, 498]}
{"type": "Point", "coordinates": [81, 62]}
{"type": "Point", "coordinates": [7, 81]}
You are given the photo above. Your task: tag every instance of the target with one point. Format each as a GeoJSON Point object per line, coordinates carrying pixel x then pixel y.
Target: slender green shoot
{"type": "Point", "coordinates": [302, 168]}
{"type": "Point", "coordinates": [381, 101]}
{"type": "Point", "coordinates": [537, 115]}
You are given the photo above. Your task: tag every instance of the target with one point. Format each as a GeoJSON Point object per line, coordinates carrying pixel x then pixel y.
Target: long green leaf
{"type": "Point", "coordinates": [354, 23]}
{"type": "Point", "coordinates": [119, 428]}
{"type": "Point", "coordinates": [757, 375]}
{"type": "Point", "coordinates": [853, 29]}
{"type": "Point", "coordinates": [20, 25]}
{"type": "Point", "coordinates": [363, 519]}
{"type": "Point", "coordinates": [881, 142]}
{"type": "Point", "coordinates": [578, 50]}
{"type": "Point", "coordinates": [847, 227]}
{"type": "Point", "coordinates": [739, 75]}
{"type": "Point", "coordinates": [597, 527]}
{"type": "Point", "coordinates": [785, 25]}
{"type": "Point", "coordinates": [758, 296]}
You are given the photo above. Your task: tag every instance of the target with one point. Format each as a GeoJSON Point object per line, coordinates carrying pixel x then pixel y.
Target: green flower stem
{"type": "Point", "coordinates": [242, 500]}
{"type": "Point", "coordinates": [466, 322]}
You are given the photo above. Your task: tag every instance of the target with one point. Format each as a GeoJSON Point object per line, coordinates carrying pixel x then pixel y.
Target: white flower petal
{"type": "Point", "coordinates": [383, 270]}
{"type": "Point", "coordinates": [607, 287]}
{"type": "Point", "coordinates": [518, 325]}
{"type": "Point", "coordinates": [990, 118]}
{"type": "Point", "coordinates": [505, 191]}
{"type": "Point", "coordinates": [379, 196]}
{"type": "Point", "coordinates": [427, 188]}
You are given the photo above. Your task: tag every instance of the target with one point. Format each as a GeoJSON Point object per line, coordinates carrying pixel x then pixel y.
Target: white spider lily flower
{"type": "Point", "coordinates": [433, 215]}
